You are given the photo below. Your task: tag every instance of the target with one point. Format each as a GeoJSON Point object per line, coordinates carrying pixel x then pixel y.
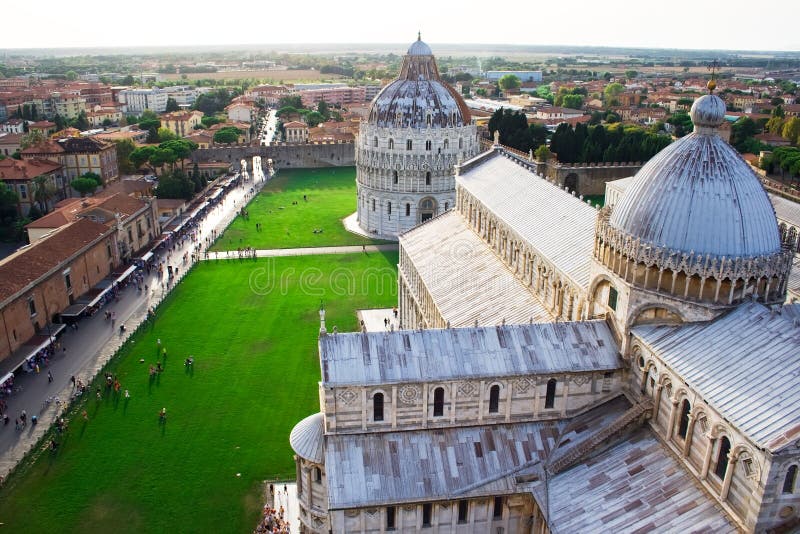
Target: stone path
{"type": "Point", "coordinates": [308, 251]}
{"type": "Point", "coordinates": [373, 319]}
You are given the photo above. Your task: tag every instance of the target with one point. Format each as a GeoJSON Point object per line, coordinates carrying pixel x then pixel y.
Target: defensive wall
{"type": "Point", "coordinates": [283, 155]}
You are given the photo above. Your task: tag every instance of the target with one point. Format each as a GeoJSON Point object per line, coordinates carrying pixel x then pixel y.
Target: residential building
{"type": "Point", "coordinates": [9, 143]}
{"type": "Point", "coordinates": [241, 112]}
{"type": "Point", "coordinates": [67, 106]}
{"type": "Point", "coordinates": [41, 280]}
{"type": "Point", "coordinates": [79, 155]}
{"type": "Point", "coordinates": [181, 123]}
{"type": "Point", "coordinates": [557, 113]}
{"type": "Point", "coordinates": [296, 132]}
{"type": "Point", "coordinates": [20, 175]}
{"type": "Point", "coordinates": [336, 96]}
{"type": "Point", "coordinates": [138, 100]}
{"type": "Point", "coordinates": [46, 128]}
{"type": "Point", "coordinates": [16, 126]}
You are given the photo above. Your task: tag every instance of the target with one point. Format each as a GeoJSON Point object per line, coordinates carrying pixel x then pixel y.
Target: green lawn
{"type": "Point", "coordinates": [331, 196]}
{"type": "Point", "coordinates": [255, 375]}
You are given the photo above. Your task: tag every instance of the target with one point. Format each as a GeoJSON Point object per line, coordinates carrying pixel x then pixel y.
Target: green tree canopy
{"type": "Point", "coordinates": [572, 101]}
{"type": "Point", "coordinates": [314, 118]}
{"type": "Point", "coordinates": [228, 134]}
{"type": "Point", "coordinates": [124, 149]}
{"type": "Point", "coordinates": [165, 134]}
{"type": "Point", "coordinates": [509, 82]}
{"type": "Point", "coordinates": [81, 122]}
{"type": "Point", "coordinates": [93, 176]}
{"type": "Point", "coordinates": [682, 123]}
{"type": "Point", "coordinates": [172, 105]}
{"type": "Point", "coordinates": [84, 186]}
{"type": "Point", "coordinates": [71, 75]}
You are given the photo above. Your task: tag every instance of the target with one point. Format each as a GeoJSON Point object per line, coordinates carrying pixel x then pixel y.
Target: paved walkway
{"type": "Point", "coordinates": [375, 320]}
{"type": "Point", "coordinates": [309, 251]}
{"type": "Point", "coordinates": [96, 341]}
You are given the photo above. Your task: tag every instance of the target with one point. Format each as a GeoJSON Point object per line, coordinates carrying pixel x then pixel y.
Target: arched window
{"type": "Point", "coordinates": [494, 398]}
{"type": "Point", "coordinates": [389, 208]}
{"type": "Point", "coordinates": [550, 396]}
{"type": "Point", "coordinates": [395, 176]}
{"type": "Point", "coordinates": [428, 178]}
{"type": "Point", "coordinates": [373, 204]}
{"type": "Point", "coordinates": [409, 144]}
{"type": "Point", "coordinates": [722, 457]}
{"type": "Point", "coordinates": [375, 142]}
{"type": "Point", "coordinates": [446, 206]}
{"type": "Point", "coordinates": [460, 143]}
{"type": "Point", "coordinates": [408, 210]}
{"type": "Point", "coordinates": [683, 422]}
{"type": "Point", "coordinates": [788, 482]}
{"type": "Point", "coordinates": [446, 144]}
{"type": "Point", "coordinates": [438, 402]}
{"type": "Point", "coordinates": [427, 145]}
{"type": "Point", "coordinates": [317, 474]}
{"type": "Point", "coordinates": [391, 144]}
{"type": "Point", "coordinates": [377, 402]}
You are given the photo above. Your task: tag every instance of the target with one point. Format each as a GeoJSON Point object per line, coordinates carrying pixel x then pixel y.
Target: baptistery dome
{"type": "Point", "coordinates": [418, 98]}
{"type": "Point", "coordinates": [417, 130]}
{"type": "Point", "coordinates": [698, 195]}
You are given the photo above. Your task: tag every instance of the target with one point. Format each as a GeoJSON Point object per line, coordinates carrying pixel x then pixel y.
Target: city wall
{"type": "Point", "coordinates": [283, 155]}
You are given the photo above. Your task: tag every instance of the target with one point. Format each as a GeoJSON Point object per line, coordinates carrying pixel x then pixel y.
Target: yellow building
{"type": "Point", "coordinates": [181, 123]}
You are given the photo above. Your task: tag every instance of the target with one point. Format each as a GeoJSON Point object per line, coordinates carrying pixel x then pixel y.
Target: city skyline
{"type": "Point", "coordinates": [687, 25]}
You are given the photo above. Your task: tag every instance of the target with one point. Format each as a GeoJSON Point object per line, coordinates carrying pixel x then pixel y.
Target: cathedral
{"type": "Point", "coordinates": [417, 130]}
{"type": "Point", "coordinates": [564, 369]}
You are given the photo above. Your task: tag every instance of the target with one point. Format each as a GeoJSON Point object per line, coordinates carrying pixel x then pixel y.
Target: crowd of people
{"type": "Point", "coordinates": [272, 521]}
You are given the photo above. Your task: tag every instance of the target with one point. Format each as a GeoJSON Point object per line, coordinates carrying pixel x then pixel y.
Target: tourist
{"type": "Point", "coordinates": [127, 394]}
{"type": "Point", "coordinates": [49, 376]}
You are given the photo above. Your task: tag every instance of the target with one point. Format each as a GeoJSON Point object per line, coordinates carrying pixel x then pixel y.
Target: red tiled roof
{"type": "Point", "coordinates": [28, 265]}
{"type": "Point", "coordinates": [45, 147]}
{"type": "Point", "coordinates": [26, 170]}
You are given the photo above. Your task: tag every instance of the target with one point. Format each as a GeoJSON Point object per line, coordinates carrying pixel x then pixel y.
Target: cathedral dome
{"type": "Point", "coordinates": [418, 98]}
{"type": "Point", "coordinates": [698, 195]}
{"type": "Point", "coordinates": [307, 438]}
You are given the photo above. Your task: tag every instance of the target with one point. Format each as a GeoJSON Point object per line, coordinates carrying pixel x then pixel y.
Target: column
{"type": "Point", "coordinates": [726, 483]}
{"type": "Point", "coordinates": [689, 431]}
{"type": "Point", "coordinates": [707, 459]}
{"type": "Point", "coordinates": [671, 425]}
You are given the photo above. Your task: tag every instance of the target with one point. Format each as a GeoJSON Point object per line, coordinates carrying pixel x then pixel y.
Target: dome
{"type": "Point", "coordinates": [307, 438]}
{"type": "Point", "coordinates": [698, 195]}
{"type": "Point", "coordinates": [418, 98]}
{"type": "Point", "coordinates": [419, 48]}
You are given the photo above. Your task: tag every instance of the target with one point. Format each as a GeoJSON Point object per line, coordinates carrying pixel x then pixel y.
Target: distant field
{"type": "Point", "coordinates": [274, 75]}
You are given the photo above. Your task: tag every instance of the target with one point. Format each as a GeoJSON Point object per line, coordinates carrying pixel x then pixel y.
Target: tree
{"type": "Point", "coordinates": [140, 156]}
{"type": "Point", "coordinates": [71, 75]}
{"type": "Point", "coordinates": [682, 123]}
{"type": "Point", "coordinates": [84, 185]}
{"type": "Point", "coordinates": [165, 134]}
{"type": "Point", "coordinates": [791, 130]}
{"type": "Point", "coordinates": [322, 109]}
{"type": "Point", "coordinates": [572, 101]}
{"type": "Point", "coordinates": [60, 122]}
{"type": "Point", "coordinates": [172, 105]}
{"type": "Point", "coordinates": [43, 191]}
{"type": "Point", "coordinates": [124, 149]}
{"type": "Point", "coordinates": [31, 139]}
{"type": "Point", "coordinates": [93, 176]}
{"type": "Point", "coordinates": [291, 101]}
{"type": "Point", "coordinates": [229, 134]}
{"type": "Point", "coordinates": [742, 130]}
{"type": "Point", "coordinates": [9, 200]}
{"type": "Point", "coordinates": [611, 92]}
{"type": "Point", "coordinates": [172, 186]}
{"type": "Point", "coordinates": [81, 122]}
{"type": "Point", "coordinates": [209, 120]}
{"type": "Point", "coordinates": [543, 153]}
{"type": "Point", "coordinates": [314, 118]}
{"type": "Point", "coordinates": [630, 74]}
{"type": "Point", "coordinates": [181, 148]}
{"type": "Point", "coordinates": [148, 124]}
{"type": "Point", "coordinates": [509, 82]}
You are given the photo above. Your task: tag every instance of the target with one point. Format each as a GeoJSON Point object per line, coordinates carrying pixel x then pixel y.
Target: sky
{"type": "Point", "coordinates": [692, 24]}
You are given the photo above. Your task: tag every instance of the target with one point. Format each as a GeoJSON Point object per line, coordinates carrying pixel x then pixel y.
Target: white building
{"type": "Point", "coordinates": [138, 100]}
{"type": "Point", "coordinates": [562, 369]}
{"type": "Point", "coordinates": [418, 128]}
{"type": "Point", "coordinates": [523, 75]}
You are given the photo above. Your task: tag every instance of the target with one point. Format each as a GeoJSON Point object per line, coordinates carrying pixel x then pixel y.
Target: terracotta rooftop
{"type": "Point", "coordinates": [29, 264]}
{"type": "Point", "coordinates": [45, 147]}
{"type": "Point", "coordinates": [295, 124]}
{"type": "Point", "coordinates": [120, 203]}
{"type": "Point", "coordinates": [26, 170]}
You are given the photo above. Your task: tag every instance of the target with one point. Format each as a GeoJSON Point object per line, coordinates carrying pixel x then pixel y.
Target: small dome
{"type": "Point", "coordinates": [418, 98]}
{"type": "Point", "coordinates": [419, 48]}
{"type": "Point", "coordinates": [307, 438]}
{"type": "Point", "coordinates": [708, 111]}
{"type": "Point", "coordinates": [698, 195]}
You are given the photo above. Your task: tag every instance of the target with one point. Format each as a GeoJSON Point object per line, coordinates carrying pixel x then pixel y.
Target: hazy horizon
{"type": "Point", "coordinates": [687, 25]}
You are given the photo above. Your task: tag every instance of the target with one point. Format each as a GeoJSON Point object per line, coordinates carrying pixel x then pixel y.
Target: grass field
{"type": "Point", "coordinates": [255, 376]}
{"type": "Point", "coordinates": [331, 195]}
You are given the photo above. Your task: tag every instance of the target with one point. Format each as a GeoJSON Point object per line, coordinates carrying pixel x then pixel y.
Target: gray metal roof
{"type": "Point", "coordinates": [557, 224]}
{"type": "Point", "coordinates": [699, 195]}
{"type": "Point", "coordinates": [464, 277]}
{"type": "Point", "coordinates": [746, 365]}
{"type": "Point", "coordinates": [636, 486]}
{"type": "Point", "coordinates": [307, 436]}
{"type": "Point", "coordinates": [425, 465]}
{"type": "Point", "coordinates": [786, 210]}
{"type": "Point", "coordinates": [430, 355]}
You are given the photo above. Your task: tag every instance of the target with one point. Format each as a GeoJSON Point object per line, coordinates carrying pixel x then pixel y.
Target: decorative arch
{"type": "Point", "coordinates": [661, 313]}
